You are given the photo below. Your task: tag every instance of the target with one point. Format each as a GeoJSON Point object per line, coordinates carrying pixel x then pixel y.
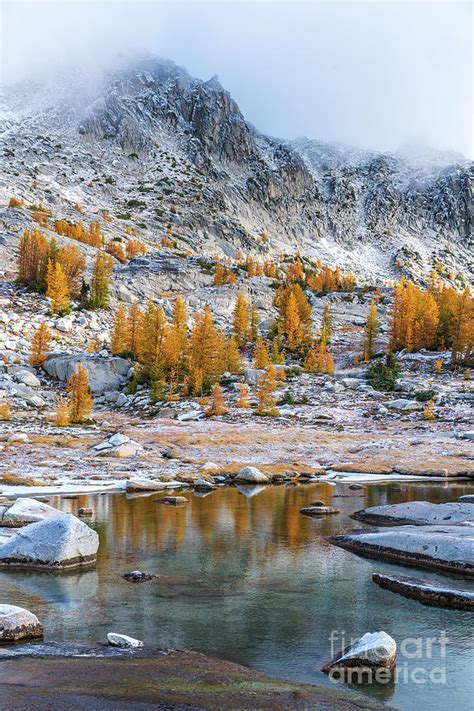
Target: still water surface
{"type": "Point", "coordinates": [247, 578]}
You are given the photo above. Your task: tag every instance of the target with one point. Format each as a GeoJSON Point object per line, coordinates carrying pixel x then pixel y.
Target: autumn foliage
{"type": "Point", "coordinates": [40, 345]}
{"type": "Point", "coordinates": [439, 318]}
{"type": "Point", "coordinates": [80, 398]}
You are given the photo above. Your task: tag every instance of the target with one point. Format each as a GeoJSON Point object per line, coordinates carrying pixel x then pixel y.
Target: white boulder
{"type": "Point", "coordinates": [403, 405]}
{"type": "Point", "coordinates": [25, 511]}
{"type": "Point", "coordinates": [17, 623]}
{"type": "Point", "coordinates": [59, 542]}
{"type": "Point", "coordinates": [18, 438]}
{"type": "Point", "coordinates": [123, 640]}
{"type": "Point", "coordinates": [374, 650]}
{"type": "Point", "coordinates": [252, 475]}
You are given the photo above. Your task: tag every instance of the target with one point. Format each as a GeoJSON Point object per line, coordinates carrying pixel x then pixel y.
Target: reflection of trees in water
{"type": "Point", "coordinates": [222, 521]}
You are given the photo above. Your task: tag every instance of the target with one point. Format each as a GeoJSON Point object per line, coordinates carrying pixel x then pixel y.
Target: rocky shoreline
{"type": "Point", "coordinates": [75, 677]}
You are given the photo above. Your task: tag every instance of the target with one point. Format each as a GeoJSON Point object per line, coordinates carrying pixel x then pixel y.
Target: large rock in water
{"type": "Point", "coordinates": [25, 511]}
{"type": "Point", "coordinates": [104, 373]}
{"type": "Point", "coordinates": [56, 543]}
{"type": "Point", "coordinates": [417, 513]}
{"type": "Point", "coordinates": [428, 592]}
{"type": "Point", "coordinates": [252, 475]}
{"type": "Point", "coordinates": [449, 548]}
{"type": "Point", "coordinates": [17, 623]}
{"type": "Point", "coordinates": [373, 651]}
{"type": "Point", "coordinates": [123, 640]}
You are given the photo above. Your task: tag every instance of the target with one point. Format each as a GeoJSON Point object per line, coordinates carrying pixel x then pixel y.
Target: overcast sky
{"type": "Point", "coordinates": [372, 74]}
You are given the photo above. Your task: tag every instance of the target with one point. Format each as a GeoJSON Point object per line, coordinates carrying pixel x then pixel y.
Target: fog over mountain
{"type": "Point", "coordinates": [375, 75]}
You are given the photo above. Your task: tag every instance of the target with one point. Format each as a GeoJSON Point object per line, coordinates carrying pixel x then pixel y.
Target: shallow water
{"type": "Point", "coordinates": [249, 579]}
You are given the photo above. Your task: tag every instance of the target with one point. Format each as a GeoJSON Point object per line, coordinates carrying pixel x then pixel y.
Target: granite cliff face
{"type": "Point", "coordinates": [156, 147]}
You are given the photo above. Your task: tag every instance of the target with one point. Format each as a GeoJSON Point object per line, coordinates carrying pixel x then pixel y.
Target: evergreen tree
{"type": "Point", "coordinates": [40, 345]}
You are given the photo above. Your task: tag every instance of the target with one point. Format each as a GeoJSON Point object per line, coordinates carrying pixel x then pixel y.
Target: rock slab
{"type": "Point", "coordinates": [428, 592]}
{"type": "Point", "coordinates": [418, 513]}
{"type": "Point", "coordinates": [448, 548]}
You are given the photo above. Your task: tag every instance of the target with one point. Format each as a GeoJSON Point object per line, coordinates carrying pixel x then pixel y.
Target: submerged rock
{"type": "Point", "coordinates": [319, 510]}
{"type": "Point", "coordinates": [56, 543]}
{"type": "Point", "coordinates": [252, 475]}
{"type": "Point", "coordinates": [173, 500]}
{"type": "Point", "coordinates": [17, 623]}
{"type": "Point", "coordinates": [123, 640]}
{"type": "Point", "coordinates": [428, 592]}
{"type": "Point", "coordinates": [136, 576]}
{"type": "Point", "coordinates": [374, 650]}
{"type": "Point", "coordinates": [417, 513]}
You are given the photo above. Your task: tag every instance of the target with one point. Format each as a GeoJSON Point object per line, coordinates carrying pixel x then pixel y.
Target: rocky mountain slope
{"type": "Point", "coordinates": [164, 153]}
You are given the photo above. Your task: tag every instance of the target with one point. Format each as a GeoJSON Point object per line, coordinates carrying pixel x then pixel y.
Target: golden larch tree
{"type": "Point", "coordinates": [266, 386]}
{"type": "Point", "coordinates": [243, 396]}
{"type": "Point", "coordinates": [261, 356]}
{"type": "Point", "coordinates": [241, 320]}
{"type": "Point", "coordinates": [118, 343]}
{"type": "Point", "coordinates": [40, 345]}
{"type": "Point", "coordinates": [57, 288]}
{"type": "Point", "coordinates": [370, 332]}
{"type": "Point", "coordinates": [100, 282]}
{"type": "Point", "coordinates": [232, 356]}
{"type": "Point", "coordinates": [217, 406]}
{"type": "Point", "coordinates": [80, 398]}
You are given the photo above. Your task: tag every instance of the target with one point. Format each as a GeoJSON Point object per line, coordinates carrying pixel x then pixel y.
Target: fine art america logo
{"type": "Point", "coordinates": [412, 665]}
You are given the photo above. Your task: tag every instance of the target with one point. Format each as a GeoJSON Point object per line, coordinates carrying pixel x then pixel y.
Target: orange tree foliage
{"type": "Point", "coordinates": [33, 250]}
{"type": "Point", "coordinates": [40, 345]}
{"type": "Point", "coordinates": [80, 398]}
{"type": "Point", "coordinates": [294, 315]}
